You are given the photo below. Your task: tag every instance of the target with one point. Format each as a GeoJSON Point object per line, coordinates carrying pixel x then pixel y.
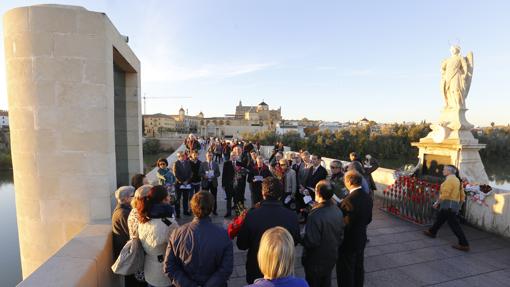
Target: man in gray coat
{"type": "Point", "coordinates": [322, 238]}
{"type": "Point", "coordinates": [183, 174]}
{"type": "Point", "coordinates": [209, 172]}
{"type": "Point", "coordinates": [289, 181]}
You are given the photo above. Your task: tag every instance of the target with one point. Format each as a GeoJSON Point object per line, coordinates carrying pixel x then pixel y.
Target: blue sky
{"type": "Point", "coordinates": [328, 60]}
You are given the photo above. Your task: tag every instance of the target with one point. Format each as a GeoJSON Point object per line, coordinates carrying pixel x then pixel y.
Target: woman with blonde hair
{"type": "Point", "coordinates": [276, 260]}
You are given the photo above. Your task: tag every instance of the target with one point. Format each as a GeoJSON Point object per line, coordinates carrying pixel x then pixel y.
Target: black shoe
{"type": "Point", "coordinates": [461, 247]}
{"type": "Point", "coordinates": [429, 234]}
{"type": "Point", "coordinates": [178, 215]}
{"type": "Point", "coordinates": [187, 214]}
{"type": "Point", "coordinates": [227, 215]}
{"type": "Point", "coordinates": [215, 213]}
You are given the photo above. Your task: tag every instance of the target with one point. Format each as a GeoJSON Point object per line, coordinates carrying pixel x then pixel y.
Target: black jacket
{"type": "Point", "coordinates": [120, 229]}
{"type": "Point", "coordinates": [323, 235]}
{"type": "Point", "coordinates": [357, 211]}
{"type": "Point", "coordinates": [313, 178]}
{"type": "Point", "coordinates": [195, 171]}
{"type": "Point", "coordinates": [256, 171]}
{"type": "Point", "coordinates": [227, 175]}
{"type": "Point", "coordinates": [271, 213]}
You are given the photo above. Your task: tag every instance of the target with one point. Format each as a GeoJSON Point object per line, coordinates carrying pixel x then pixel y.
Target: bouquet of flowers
{"type": "Point", "coordinates": [237, 222]}
{"type": "Point", "coordinates": [478, 193]}
{"type": "Point", "coordinates": [239, 174]}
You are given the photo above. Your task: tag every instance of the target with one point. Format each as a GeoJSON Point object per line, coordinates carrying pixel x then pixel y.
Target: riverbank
{"type": "Point", "coordinates": [5, 161]}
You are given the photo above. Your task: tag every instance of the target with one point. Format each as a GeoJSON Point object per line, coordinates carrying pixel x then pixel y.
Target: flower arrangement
{"type": "Point", "coordinates": [237, 222]}
{"type": "Point", "coordinates": [478, 193]}
{"type": "Point", "coordinates": [239, 175]}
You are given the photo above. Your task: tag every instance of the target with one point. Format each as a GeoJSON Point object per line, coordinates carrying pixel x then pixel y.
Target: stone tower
{"type": "Point", "coordinates": [74, 102]}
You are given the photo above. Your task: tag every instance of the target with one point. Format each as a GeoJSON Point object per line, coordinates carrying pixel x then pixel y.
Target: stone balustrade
{"type": "Point", "coordinates": [492, 216]}
{"type": "Point", "coordinates": [83, 261]}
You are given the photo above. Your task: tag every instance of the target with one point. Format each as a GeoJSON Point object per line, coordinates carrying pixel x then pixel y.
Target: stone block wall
{"type": "Point", "coordinates": [61, 103]}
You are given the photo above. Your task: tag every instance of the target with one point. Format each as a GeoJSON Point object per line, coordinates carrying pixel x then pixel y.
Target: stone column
{"type": "Point", "coordinates": [61, 105]}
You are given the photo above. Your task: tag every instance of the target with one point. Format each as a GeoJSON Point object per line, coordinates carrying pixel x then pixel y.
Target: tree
{"type": "Point", "coordinates": [151, 146]}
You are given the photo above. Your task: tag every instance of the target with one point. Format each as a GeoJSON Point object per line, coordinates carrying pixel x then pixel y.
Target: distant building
{"type": "Point", "coordinates": [331, 126]}
{"type": "Point", "coordinates": [4, 119]}
{"type": "Point", "coordinates": [157, 124]}
{"type": "Point", "coordinates": [364, 122]}
{"type": "Point", "coordinates": [247, 119]}
{"type": "Point", "coordinates": [285, 127]}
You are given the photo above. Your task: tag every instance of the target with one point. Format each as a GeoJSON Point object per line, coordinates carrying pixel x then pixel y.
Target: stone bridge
{"type": "Point", "coordinates": [75, 118]}
{"type": "Point", "coordinates": [398, 254]}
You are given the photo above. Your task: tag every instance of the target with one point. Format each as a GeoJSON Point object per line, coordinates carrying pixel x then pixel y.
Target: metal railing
{"type": "Point", "coordinates": [412, 199]}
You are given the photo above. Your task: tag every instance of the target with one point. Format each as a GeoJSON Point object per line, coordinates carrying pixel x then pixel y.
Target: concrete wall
{"type": "Point", "coordinates": [61, 105]}
{"type": "Point", "coordinates": [494, 215]}
{"type": "Point", "coordinates": [83, 261]}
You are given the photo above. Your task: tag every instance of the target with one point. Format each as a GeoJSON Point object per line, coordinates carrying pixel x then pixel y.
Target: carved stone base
{"type": "Point", "coordinates": [465, 157]}
{"type": "Point", "coordinates": [452, 128]}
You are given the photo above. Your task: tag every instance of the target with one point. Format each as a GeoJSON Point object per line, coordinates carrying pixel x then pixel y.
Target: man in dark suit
{"type": "Point", "coordinates": [233, 181]}
{"type": "Point", "coordinates": [315, 173]}
{"type": "Point", "coordinates": [258, 172]}
{"type": "Point", "coordinates": [183, 174]}
{"type": "Point", "coordinates": [270, 213]}
{"type": "Point", "coordinates": [357, 211]}
{"type": "Point", "coordinates": [242, 155]}
{"type": "Point", "coordinates": [209, 172]}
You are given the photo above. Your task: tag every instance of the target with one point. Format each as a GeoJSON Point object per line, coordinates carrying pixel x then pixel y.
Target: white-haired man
{"type": "Point", "coordinates": [120, 228]}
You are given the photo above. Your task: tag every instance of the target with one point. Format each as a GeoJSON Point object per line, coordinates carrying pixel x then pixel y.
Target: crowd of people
{"type": "Point", "coordinates": [293, 201]}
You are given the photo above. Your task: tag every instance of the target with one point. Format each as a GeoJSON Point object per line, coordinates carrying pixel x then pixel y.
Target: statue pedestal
{"type": "Point", "coordinates": [451, 142]}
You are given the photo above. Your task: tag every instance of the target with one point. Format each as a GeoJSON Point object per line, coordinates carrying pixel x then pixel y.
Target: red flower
{"type": "Point", "coordinates": [235, 225]}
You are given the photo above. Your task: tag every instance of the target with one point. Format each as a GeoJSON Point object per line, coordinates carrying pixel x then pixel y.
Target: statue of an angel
{"type": "Point", "coordinates": [456, 74]}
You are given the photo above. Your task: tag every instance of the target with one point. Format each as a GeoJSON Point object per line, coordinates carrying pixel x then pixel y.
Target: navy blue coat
{"type": "Point", "coordinates": [199, 254]}
{"type": "Point", "coordinates": [271, 213]}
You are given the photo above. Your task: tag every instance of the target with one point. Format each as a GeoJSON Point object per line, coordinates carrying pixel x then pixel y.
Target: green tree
{"type": "Point", "coordinates": [151, 146]}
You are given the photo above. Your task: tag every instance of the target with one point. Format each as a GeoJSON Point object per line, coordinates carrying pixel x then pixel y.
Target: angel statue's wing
{"type": "Point", "coordinates": [469, 74]}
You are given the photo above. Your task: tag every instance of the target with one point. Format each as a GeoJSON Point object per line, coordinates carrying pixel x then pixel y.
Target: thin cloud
{"type": "Point", "coordinates": [358, 73]}
{"type": "Point", "coordinates": [326, 68]}
{"type": "Point", "coordinates": [167, 72]}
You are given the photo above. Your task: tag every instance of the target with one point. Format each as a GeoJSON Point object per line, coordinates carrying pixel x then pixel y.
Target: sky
{"type": "Point", "coordinates": [324, 60]}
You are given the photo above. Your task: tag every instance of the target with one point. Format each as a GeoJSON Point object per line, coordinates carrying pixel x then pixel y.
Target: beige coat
{"type": "Point", "coordinates": [154, 237]}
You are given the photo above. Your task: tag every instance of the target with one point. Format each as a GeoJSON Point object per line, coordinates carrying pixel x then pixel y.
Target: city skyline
{"type": "Point", "coordinates": [327, 61]}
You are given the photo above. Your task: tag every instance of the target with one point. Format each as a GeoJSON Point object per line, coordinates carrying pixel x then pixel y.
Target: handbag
{"type": "Point", "coordinates": [131, 258]}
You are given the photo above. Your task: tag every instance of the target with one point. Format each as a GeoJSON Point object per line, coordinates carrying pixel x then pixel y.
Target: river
{"type": "Point", "coordinates": [10, 266]}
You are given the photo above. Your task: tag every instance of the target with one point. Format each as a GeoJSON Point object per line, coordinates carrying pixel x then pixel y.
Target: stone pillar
{"type": "Point", "coordinates": [60, 85]}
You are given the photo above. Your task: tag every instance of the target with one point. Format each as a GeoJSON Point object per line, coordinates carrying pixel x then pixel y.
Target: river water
{"type": "Point", "coordinates": [10, 266]}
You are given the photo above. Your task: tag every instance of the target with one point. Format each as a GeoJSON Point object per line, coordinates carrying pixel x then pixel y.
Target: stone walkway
{"type": "Point", "coordinates": [398, 254]}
